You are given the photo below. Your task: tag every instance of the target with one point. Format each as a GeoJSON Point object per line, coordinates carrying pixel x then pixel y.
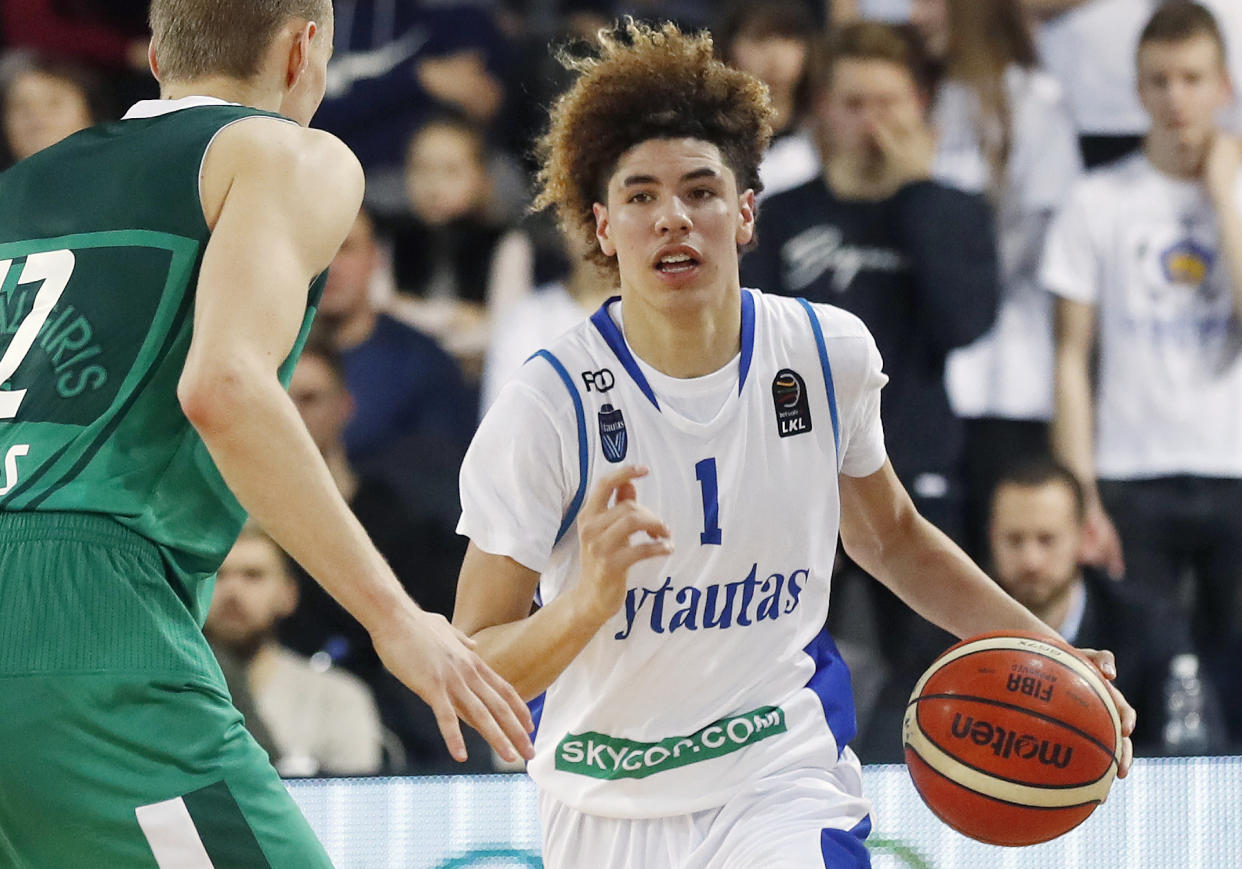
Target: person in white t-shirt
{"type": "Point", "coordinates": [1147, 260]}
{"type": "Point", "coordinates": [1003, 130]}
{"type": "Point", "coordinates": [667, 481]}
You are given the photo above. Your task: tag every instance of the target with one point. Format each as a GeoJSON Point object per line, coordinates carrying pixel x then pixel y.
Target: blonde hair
{"type": "Point", "coordinates": [196, 38]}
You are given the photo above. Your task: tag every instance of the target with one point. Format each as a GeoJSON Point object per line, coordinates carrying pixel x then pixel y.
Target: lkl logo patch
{"type": "Point", "coordinates": [612, 433]}
{"type": "Point", "coordinates": [793, 411]}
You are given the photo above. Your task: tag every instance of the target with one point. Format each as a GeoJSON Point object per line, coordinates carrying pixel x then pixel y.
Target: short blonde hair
{"type": "Point", "coordinates": [196, 38]}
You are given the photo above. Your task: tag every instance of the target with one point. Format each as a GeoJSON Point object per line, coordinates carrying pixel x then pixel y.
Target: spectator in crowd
{"type": "Point", "coordinates": [915, 259]}
{"type": "Point", "coordinates": [110, 35]}
{"type": "Point", "coordinates": [778, 42]}
{"type": "Point", "coordinates": [532, 322]}
{"type": "Point", "coordinates": [397, 63]}
{"type": "Point", "coordinates": [44, 100]}
{"type": "Point", "coordinates": [403, 384]}
{"type": "Point", "coordinates": [1147, 261]}
{"type": "Point", "coordinates": [1036, 533]}
{"type": "Point", "coordinates": [322, 721]}
{"type": "Point", "coordinates": [1002, 130]}
{"type": "Point", "coordinates": [109, 38]}
{"type": "Point", "coordinates": [423, 552]}
{"type": "Point", "coordinates": [456, 264]}
{"type": "Point", "coordinates": [1089, 45]}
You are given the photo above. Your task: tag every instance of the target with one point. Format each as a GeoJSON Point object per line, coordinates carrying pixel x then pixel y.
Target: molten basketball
{"type": "Point", "coordinates": [1012, 739]}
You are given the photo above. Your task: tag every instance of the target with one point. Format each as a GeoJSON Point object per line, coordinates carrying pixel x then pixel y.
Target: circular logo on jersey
{"type": "Point", "coordinates": [793, 411]}
{"type": "Point", "coordinates": [786, 389]}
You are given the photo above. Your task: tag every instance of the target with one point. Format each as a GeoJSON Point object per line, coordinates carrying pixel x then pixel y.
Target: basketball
{"type": "Point", "coordinates": [1012, 739]}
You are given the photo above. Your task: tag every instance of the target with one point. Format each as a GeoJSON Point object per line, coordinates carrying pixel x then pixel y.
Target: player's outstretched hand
{"type": "Point", "coordinates": [438, 663]}
{"type": "Point", "coordinates": [1107, 664]}
{"type": "Point", "coordinates": [607, 525]}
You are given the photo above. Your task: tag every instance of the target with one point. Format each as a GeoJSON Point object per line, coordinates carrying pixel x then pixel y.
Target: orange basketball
{"type": "Point", "coordinates": [1012, 739]}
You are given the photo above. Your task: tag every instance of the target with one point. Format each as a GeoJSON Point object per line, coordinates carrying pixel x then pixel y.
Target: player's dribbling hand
{"type": "Point", "coordinates": [438, 663]}
{"type": "Point", "coordinates": [609, 519]}
{"type": "Point", "coordinates": [1107, 665]}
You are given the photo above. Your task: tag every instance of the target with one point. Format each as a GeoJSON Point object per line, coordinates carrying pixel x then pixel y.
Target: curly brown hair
{"type": "Point", "coordinates": [645, 83]}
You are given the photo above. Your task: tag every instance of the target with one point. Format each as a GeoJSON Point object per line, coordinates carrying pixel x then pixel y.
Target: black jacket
{"type": "Point", "coordinates": [919, 269]}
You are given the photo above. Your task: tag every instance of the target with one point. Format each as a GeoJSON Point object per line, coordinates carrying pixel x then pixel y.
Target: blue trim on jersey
{"type": "Point", "coordinates": [823, 363]}
{"type": "Point", "coordinates": [536, 712]}
{"type": "Point", "coordinates": [583, 453]}
{"type": "Point", "coordinates": [844, 849]}
{"type": "Point", "coordinates": [748, 339]}
{"type": "Point", "coordinates": [831, 683]}
{"type": "Point", "coordinates": [614, 339]}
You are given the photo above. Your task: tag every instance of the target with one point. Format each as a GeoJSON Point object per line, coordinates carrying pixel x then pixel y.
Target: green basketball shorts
{"type": "Point", "coordinates": [121, 747]}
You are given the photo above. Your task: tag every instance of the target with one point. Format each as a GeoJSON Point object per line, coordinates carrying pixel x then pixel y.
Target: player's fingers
{"type": "Point", "coordinates": [1127, 758]}
{"type": "Point", "coordinates": [631, 555]}
{"type": "Point", "coordinates": [614, 534]}
{"type": "Point", "coordinates": [475, 712]}
{"type": "Point", "coordinates": [450, 727]}
{"type": "Point", "coordinates": [1104, 661]}
{"type": "Point", "coordinates": [597, 501]}
{"type": "Point", "coordinates": [1129, 717]}
{"type": "Point", "coordinates": [507, 709]}
{"type": "Point", "coordinates": [511, 697]}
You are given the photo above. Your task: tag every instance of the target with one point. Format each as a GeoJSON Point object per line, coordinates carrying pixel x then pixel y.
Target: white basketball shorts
{"type": "Point", "coordinates": [798, 818]}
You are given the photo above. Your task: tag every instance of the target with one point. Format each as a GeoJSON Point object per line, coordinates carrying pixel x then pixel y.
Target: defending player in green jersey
{"type": "Point", "coordinates": [157, 278]}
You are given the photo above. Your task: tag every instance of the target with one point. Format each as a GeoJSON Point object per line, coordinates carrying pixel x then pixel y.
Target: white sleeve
{"type": "Point", "coordinates": [521, 471]}
{"type": "Point", "coordinates": [1070, 268]}
{"type": "Point", "coordinates": [858, 377]}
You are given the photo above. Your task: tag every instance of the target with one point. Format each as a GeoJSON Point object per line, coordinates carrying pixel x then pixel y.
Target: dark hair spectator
{"type": "Point", "coordinates": [43, 100]}
{"type": "Point", "coordinates": [781, 44]}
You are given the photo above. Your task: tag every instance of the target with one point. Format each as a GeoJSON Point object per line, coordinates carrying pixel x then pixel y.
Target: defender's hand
{"type": "Point", "coordinates": [438, 663]}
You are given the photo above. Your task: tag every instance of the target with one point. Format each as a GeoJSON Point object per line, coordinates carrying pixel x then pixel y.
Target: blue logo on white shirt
{"type": "Point", "coordinates": [612, 435]}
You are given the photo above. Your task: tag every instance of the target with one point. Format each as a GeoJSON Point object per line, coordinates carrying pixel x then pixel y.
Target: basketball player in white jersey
{"type": "Point", "coordinates": [667, 481]}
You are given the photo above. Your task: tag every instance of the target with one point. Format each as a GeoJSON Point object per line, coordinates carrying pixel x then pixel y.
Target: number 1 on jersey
{"type": "Point", "coordinates": [705, 473]}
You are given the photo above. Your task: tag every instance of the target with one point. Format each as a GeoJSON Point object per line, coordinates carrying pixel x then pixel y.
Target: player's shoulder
{"type": "Point", "coordinates": [794, 313]}
{"type": "Point", "coordinates": [550, 376]}
{"type": "Point", "coordinates": [264, 145]}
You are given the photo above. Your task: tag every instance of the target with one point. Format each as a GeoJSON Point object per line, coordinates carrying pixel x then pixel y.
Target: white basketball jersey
{"type": "Point", "coordinates": [717, 667]}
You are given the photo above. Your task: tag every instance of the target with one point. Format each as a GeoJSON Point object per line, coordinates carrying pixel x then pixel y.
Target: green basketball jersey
{"type": "Point", "coordinates": [101, 239]}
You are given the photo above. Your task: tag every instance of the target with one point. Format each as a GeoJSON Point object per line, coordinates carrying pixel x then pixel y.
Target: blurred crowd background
{"type": "Point", "coordinates": [927, 173]}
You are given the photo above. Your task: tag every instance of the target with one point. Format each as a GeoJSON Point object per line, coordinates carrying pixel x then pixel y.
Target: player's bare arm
{"type": "Point", "coordinates": [1220, 176]}
{"type": "Point", "coordinates": [279, 200]}
{"type": "Point", "coordinates": [885, 535]}
{"type": "Point", "coordinates": [494, 592]}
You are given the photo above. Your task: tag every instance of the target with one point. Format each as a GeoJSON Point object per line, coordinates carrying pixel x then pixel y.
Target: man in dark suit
{"type": "Point", "coordinates": [1036, 533]}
